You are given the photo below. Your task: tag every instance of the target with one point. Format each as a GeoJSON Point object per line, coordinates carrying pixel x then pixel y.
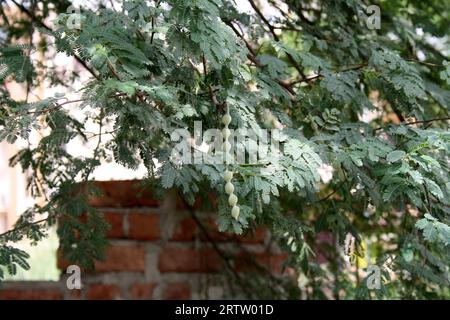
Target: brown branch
{"type": "Point", "coordinates": [268, 24]}
{"type": "Point", "coordinates": [276, 6]}
{"type": "Point", "coordinates": [427, 196]}
{"type": "Point", "coordinates": [205, 70]}
{"type": "Point", "coordinates": [332, 193]}
{"type": "Point", "coordinates": [312, 78]}
{"type": "Point", "coordinates": [23, 227]}
{"type": "Point", "coordinates": [240, 35]}
{"type": "Point", "coordinates": [425, 63]}
{"type": "Point", "coordinates": [56, 106]}
{"type": "Point", "coordinates": [211, 92]}
{"type": "Point", "coordinates": [303, 17]}
{"type": "Point", "coordinates": [153, 23]}
{"type": "Point", "coordinates": [252, 57]}
{"type": "Point", "coordinates": [112, 69]}
{"type": "Point", "coordinates": [59, 105]}
{"type": "Point", "coordinates": [416, 122]}
{"type": "Point", "coordinates": [427, 121]}
{"type": "Point", "coordinates": [276, 37]}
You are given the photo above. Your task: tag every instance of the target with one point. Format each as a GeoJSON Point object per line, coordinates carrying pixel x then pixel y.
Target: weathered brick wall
{"type": "Point", "coordinates": [157, 250]}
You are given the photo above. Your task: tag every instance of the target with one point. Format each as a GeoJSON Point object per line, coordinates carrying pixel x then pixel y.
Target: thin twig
{"type": "Point", "coordinates": [219, 106]}
{"type": "Point", "coordinates": [425, 63]}
{"type": "Point", "coordinates": [57, 106]}
{"type": "Point", "coordinates": [252, 57]}
{"type": "Point", "coordinates": [154, 23]}
{"type": "Point", "coordinates": [276, 37]}
{"type": "Point", "coordinates": [416, 122]}
{"type": "Point", "coordinates": [332, 193]}
{"type": "Point", "coordinates": [24, 226]}
{"type": "Point", "coordinates": [317, 76]}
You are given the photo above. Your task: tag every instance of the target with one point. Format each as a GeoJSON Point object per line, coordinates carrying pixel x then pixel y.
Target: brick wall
{"type": "Point", "coordinates": [159, 250]}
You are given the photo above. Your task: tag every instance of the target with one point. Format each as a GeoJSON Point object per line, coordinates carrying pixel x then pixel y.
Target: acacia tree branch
{"type": "Point", "coordinates": [240, 35]}
{"type": "Point", "coordinates": [276, 37]}
{"type": "Point", "coordinates": [312, 78]}
{"type": "Point", "coordinates": [59, 105]}
{"type": "Point", "coordinates": [43, 25]}
{"type": "Point", "coordinates": [56, 106]}
{"type": "Point", "coordinates": [252, 57]}
{"type": "Point", "coordinates": [427, 121]}
{"type": "Point", "coordinates": [331, 193]}
{"type": "Point", "coordinates": [211, 92]}
{"type": "Point", "coordinates": [264, 19]}
{"type": "Point", "coordinates": [154, 23]}
{"type": "Point", "coordinates": [425, 63]}
{"type": "Point", "coordinates": [416, 122]}
{"type": "Point", "coordinates": [15, 229]}
{"type": "Point", "coordinates": [276, 6]}
{"type": "Point", "coordinates": [303, 17]}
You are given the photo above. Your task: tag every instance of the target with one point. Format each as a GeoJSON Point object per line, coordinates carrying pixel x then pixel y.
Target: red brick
{"type": "Point", "coordinates": [144, 226]}
{"type": "Point", "coordinates": [115, 220]}
{"type": "Point", "coordinates": [252, 237]}
{"type": "Point", "coordinates": [75, 295]}
{"type": "Point", "coordinates": [273, 261]}
{"type": "Point", "coordinates": [183, 205]}
{"type": "Point", "coordinates": [172, 259]}
{"type": "Point", "coordinates": [31, 294]}
{"type": "Point", "coordinates": [128, 193]}
{"type": "Point", "coordinates": [142, 290]}
{"type": "Point", "coordinates": [214, 233]}
{"type": "Point", "coordinates": [61, 262]}
{"type": "Point", "coordinates": [103, 292]}
{"type": "Point", "coordinates": [323, 240]}
{"type": "Point", "coordinates": [177, 291]}
{"type": "Point", "coordinates": [185, 230]}
{"type": "Point", "coordinates": [249, 262]}
{"type": "Point", "coordinates": [129, 258]}
{"type": "Point", "coordinates": [124, 258]}
{"type": "Point", "coordinates": [208, 202]}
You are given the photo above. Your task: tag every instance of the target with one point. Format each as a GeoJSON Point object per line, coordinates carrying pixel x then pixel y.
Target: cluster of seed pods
{"type": "Point", "coordinates": [291, 242]}
{"type": "Point", "coordinates": [228, 175]}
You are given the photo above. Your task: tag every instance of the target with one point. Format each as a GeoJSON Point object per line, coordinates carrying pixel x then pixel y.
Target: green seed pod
{"type": "Point", "coordinates": [228, 175]}
{"type": "Point", "coordinates": [266, 198]}
{"type": "Point", "coordinates": [226, 119]}
{"type": "Point", "coordinates": [235, 212]}
{"type": "Point", "coordinates": [229, 188]}
{"type": "Point", "coordinates": [232, 200]}
{"type": "Point", "coordinates": [290, 240]}
{"type": "Point", "coordinates": [294, 247]}
{"type": "Point", "coordinates": [226, 133]}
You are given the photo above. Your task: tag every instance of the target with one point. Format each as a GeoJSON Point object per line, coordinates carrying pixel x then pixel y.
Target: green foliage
{"type": "Point", "coordinates": [15, 60]}
{"type": "Point", "coordinates": [12, 258]}
{"type": "Point", "coordinates": [313, 71]}
{"type": "Point", "coordinates": [434, 230]}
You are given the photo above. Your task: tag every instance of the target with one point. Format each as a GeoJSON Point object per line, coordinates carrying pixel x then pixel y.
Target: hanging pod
{"type": "Point", "coordinates": [232, 200]}
{"type": "Point", "coordinates": [235, 212]}
{"type": "Point", "coordinates": [228, 175]}
{"type": "Point", "coordinates": [226, 119]}
{"type": "Point", "coordinates": [229, 188]}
